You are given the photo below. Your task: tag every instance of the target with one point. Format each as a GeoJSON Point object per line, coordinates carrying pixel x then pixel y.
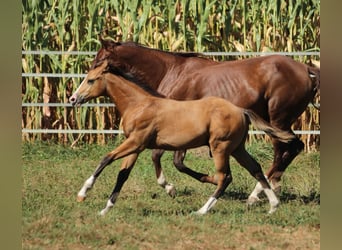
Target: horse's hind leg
{"type": "Point", "coordinates": [284, 153]}
{"type": "Point", "coordinates": [156, 155]}
{"type": "Point", "coordinates": [254, 168]}
{"type": "Point", "coordinates": [126, 167]}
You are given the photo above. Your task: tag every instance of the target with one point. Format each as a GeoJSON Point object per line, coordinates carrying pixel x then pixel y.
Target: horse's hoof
{"type": "Point", "coordinates": [80, 198]}
{"type": "Point", "coordinates": [252, 200]}
{"type": "Point", "coordinates": [170, 190]}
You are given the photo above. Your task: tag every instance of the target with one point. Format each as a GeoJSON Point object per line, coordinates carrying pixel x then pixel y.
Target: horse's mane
{"type": "Point", "coordinates": [181, 54]}
{"type": "Point", "coordinates": [131, 78]}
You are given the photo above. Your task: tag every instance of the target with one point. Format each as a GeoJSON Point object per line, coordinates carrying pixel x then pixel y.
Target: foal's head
{"type": "Point", "coordinates": [92, 86]}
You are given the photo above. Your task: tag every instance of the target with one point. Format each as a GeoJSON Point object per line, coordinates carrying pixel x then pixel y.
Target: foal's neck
{"type": "Point", "coordinates": [124, 93]}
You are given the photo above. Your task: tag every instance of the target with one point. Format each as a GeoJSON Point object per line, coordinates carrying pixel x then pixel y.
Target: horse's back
{"type": "Point", "coordinates": [264, 84]}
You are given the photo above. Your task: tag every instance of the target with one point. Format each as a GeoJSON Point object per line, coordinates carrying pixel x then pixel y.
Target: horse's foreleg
{"type": "Point", "coordinates": [178, 161]}
{"type": "Point", "coordinates": [156, 155]}
{"type": "Point", "coordinates": [126, 167]}
{"type": "Point", "coordinates": [126, 148]}
{"type": "Point", "coordinates": [254, 168]}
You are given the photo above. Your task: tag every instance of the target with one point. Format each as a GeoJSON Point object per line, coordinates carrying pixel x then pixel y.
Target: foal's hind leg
{"type": "Point", "coordinates": [178, 161]}
{"type": "Point", "coordinates": [156, 155]}
{"type": "Point", "coordinates": [254, 168]}
{"type": "Point", "coordinates": [223, 178]}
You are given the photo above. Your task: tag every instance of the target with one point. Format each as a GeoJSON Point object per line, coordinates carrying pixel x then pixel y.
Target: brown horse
{"type": "Point", "coordinates": [149, 122]}
{"type": "Point", "coordinates": [276, 87]}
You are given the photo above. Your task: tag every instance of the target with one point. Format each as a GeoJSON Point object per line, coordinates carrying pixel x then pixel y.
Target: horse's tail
{"type": "Point", "coordinates": [315, 76]}
{"type": "Point", "coordinates": [263, 125]}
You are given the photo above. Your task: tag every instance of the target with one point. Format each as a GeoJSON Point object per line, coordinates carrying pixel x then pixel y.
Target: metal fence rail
{"type": "Point", "coordinates": [117, 131]}
{"type": "Point", "coordinates": [91, 53]}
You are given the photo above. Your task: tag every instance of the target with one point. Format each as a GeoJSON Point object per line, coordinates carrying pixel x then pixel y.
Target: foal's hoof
{"type": "Point", "coordinates": [80, 198]}
{"type": "Point", "coordinates": [170, 190]}
{"type": "Point", "coordinates": [276, 187]}
{"type": "Point", "coordinates": [272, 210]}
{"type": "Point", "coordinates": [197, 213]}
{"type": "Point", "coordinates": [252, 200]}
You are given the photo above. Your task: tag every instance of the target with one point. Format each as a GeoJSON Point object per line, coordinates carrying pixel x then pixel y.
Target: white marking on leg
{"type": "Point", "coordinates": [207, 206]}
{"type": "Point", "coordinates": [275, 185]}
{"type": "Point", "coordinates": [88, 184]}
{"type": "Point", "coordinates": [161, 180]}
{"type": "Point", "coordinates": [253, 197]}
{"type": "Point", "coordinates": [170, 189]}
{"type": "Point", "coordinates": [109, 205]}
{"type": "Point", "coordinates": [274, 202]}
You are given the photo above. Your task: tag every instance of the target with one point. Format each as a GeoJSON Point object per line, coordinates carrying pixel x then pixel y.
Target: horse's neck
{"type": "Point", "coordinates": [125, 94]}
{"type": "Point", "coordinates": [148, 66]}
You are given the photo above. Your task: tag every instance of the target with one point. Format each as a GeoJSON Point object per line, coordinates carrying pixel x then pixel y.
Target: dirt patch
{"type": "Point", "coordinates": [269, 237]}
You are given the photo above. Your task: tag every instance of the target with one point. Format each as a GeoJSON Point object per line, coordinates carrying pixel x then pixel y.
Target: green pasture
{"type": "Point", "coordinates": [145, 217]}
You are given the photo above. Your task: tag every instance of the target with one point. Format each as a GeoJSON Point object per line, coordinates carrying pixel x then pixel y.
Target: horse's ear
{"type": "Point", "coordinates": [108, 44]}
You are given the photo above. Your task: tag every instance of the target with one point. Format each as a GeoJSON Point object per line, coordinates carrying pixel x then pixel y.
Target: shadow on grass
{"type": "Point", "coordinates": [284, 197]}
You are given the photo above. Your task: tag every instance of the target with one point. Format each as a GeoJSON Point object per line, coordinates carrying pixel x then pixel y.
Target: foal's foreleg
{"type": "Point", "coordinates": [126, 148]}
{"type": "Point", "coordinates": [125, 170]}
{"type": "Point", "coordinates": [89, 183]}
{"type": "Point", "coordinates": [156, 155]}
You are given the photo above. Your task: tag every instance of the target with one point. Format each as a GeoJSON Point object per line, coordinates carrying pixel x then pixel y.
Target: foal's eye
{"type": "Point", "coordinates": [91, 81]}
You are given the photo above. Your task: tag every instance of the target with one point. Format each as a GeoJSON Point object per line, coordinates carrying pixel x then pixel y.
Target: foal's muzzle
{"type": "Point", "coordinates": [76, 100]}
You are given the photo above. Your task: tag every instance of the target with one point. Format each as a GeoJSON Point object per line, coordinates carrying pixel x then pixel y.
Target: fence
{"type": "Point", "coordinates": [92, 131]}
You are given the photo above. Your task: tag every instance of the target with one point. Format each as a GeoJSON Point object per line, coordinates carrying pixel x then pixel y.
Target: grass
{"type": "Point", "coordinates": [144, 217]}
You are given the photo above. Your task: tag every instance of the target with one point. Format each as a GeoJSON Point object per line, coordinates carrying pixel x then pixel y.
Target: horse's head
{"type": "Point", "coordinates": [106, 50]}
{"type": "Point", "coordinates": [92, 86]}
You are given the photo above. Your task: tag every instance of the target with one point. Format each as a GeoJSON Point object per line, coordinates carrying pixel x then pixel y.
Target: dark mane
{"type": "Point", "coordinates": [131, 78]}
{"type": "Point", "coordinates": [181, 54]}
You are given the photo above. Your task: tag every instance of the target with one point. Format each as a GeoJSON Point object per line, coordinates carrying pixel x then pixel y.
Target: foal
{"type": "Point", "coordinates": [149, 122]}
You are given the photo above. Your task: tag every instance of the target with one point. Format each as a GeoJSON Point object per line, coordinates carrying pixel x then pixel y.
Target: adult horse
{"type": "Point", "coordinates": [148, 122]}
{"type": "Point", "coordinates": [276, 87]}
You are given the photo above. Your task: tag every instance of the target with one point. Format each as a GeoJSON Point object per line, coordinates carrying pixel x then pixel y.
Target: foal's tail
{"type": "Point", "coordinates": [274, 132]}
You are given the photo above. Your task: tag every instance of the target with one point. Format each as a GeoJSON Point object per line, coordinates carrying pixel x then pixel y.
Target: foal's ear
{"type": "Point", "coordinates": [108, 44]}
